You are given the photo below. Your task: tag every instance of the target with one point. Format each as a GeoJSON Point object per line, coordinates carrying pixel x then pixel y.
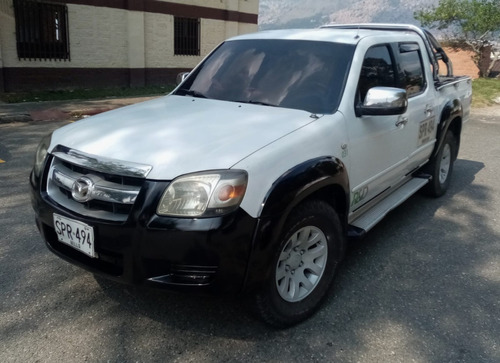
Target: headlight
{"type": "Point", "coordinates": [41, 154]}
{"type": "Point", "coordinates": [204, 194]}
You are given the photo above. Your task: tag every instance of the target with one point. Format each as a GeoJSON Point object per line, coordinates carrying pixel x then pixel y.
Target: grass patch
{"type": "Point", "coordinates": [485, 91]}
{"type": "Point", "coordinates": [84, 94]}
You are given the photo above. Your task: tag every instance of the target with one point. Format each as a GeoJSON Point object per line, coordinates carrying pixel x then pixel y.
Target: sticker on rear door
{"type": "Point", "coordinates": [426, 131]}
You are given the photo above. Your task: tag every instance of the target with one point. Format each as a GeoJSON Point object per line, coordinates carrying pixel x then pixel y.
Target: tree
{"type": "Point", "coordinates": [474, 22]}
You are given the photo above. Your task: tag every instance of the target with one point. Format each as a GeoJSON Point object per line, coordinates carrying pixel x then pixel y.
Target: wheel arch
{"type": "Point", "coordinates": [451, 120]}
{"type": "Point", "coordinates": [323, 178]}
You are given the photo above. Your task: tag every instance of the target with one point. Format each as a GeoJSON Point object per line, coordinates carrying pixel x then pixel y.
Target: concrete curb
{"type": "Point", "coordinates": [21, 117]}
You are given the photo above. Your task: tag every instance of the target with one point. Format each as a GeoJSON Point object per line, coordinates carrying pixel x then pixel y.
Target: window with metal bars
{"type": "Point", "coordinates": [186, 36]}
{"type": "Point", "coordinates": [41, 30]}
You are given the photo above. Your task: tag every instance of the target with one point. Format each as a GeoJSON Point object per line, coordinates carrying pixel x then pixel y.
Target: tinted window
{"type": "Point", "coordinates": [411, 66]}
{"type": "Point", "coordinates": [377, 70]}
{"type": "Point", "coordinates": [304, 75]}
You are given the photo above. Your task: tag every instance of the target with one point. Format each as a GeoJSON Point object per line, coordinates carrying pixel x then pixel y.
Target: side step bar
{"type": "Point", "coordinates": [372, 216]}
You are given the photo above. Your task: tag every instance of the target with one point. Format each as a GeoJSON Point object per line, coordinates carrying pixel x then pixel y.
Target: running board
{"type": "Point", "coordinates": [372, 216]}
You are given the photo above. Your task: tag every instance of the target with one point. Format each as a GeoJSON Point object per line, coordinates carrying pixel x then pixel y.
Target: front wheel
{"type": "Point", "coordinates": [304, 265]}
{"type": "Point", "coordinates": [441, 166]}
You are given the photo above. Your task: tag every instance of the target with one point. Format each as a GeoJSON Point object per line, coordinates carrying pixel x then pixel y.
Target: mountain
{"type": "Point", "coordinates": [279, 14]}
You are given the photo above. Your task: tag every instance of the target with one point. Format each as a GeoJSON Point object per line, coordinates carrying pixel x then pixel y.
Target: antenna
{"type": "Point", "coordinates": [357, 34]}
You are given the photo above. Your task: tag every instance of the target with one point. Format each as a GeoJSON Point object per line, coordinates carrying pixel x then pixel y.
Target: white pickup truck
{"type": "Point", "coordinates": [254, 172]}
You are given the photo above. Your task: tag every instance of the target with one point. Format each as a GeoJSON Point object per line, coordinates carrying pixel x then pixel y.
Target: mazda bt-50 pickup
{"type": "Point", "coordinates": [252, 175]}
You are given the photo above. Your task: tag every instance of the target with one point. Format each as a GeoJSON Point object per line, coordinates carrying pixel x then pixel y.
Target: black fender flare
{"type": "Point", "coordinates": [452, 110]}
{"type": "Point", "coordinates": [317, 176]}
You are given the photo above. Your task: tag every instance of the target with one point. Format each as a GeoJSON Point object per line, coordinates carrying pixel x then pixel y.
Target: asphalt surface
{"type": "Point", "coordinates": [424, 286]}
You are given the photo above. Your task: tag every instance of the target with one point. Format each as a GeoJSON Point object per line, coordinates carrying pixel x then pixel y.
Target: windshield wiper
{"type": "Point", "coordinates": [193, 93]}
{"type": "Point", "coordinates": [253, 102]}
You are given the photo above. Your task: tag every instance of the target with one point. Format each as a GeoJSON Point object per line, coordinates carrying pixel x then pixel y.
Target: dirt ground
{"type": "Point", "coordinates": [462, 62]}
{"type": "Point", "coordinates": [491, 111]}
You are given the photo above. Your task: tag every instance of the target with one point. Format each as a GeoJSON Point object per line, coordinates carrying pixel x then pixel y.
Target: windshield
{"type": "Point", "coordinates": [304, 75]}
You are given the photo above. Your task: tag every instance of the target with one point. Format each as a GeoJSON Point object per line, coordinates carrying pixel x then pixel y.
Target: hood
{"type": "Point", "coordinates": [178, 135]}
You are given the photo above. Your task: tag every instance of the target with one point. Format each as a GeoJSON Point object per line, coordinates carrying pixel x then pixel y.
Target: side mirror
{"type": "Point", "coordinates": [181, 77]}
{"type": "Point", "coordinates": [383, 101]}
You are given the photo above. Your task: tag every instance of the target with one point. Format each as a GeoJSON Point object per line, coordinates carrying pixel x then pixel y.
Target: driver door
{"type": "Point", "coordinates": [378, 144]}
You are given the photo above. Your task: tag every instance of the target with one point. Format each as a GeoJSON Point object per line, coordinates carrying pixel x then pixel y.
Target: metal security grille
{"type": "Point", "coordinates": [41, 30]}
{"type": "Point", "coordinates": [186, 36]}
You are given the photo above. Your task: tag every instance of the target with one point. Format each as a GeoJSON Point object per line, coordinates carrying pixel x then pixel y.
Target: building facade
{"type": "Point", "coordinates": [56, 44]}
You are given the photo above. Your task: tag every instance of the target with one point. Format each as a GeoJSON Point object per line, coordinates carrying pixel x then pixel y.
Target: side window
{"type": "Point", "coordinates": [377, 70]}
{"type": "Point", "coordinates": [411, 67]}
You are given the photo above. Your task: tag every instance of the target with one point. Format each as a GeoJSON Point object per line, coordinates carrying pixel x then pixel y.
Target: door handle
{"type": "Point", "coordinates": [428, 110]}
{"type": "Point", "coordinates": [402, 121]}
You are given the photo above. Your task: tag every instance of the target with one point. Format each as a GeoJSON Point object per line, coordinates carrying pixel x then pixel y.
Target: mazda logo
{"type": "Point", "coordinates": [81, 191]}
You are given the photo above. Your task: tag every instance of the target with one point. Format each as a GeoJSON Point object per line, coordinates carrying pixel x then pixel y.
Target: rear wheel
{"type": "Point", "coordinates": [441, 167]}
{"type": "Point", "coordinates": [304, 265]}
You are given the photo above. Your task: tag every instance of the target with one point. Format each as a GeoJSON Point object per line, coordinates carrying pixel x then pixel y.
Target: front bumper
{"type": "Point", "coordinates": [203, 254]}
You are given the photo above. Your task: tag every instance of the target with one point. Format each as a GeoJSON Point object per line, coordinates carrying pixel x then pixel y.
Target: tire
{"type": "Point", "coordinates": [441, 167]}
{"type": "Point", "coordinates": [305, 261]}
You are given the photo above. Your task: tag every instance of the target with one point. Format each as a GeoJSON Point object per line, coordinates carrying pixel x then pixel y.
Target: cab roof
{"type": "Point", "coordinates": [346, 34]}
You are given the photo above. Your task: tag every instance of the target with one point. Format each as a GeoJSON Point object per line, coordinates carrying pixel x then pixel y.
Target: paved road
{"type": "Point", "coordinates": [424, 286]}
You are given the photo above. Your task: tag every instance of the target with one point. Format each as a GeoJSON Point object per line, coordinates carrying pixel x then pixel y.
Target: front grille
{"type": "Point", "coordinates": [97, 205]}
{"type": "Point", "coordinates": [116, 179]}
{"type": "Point", "coordinates": [91, 192]}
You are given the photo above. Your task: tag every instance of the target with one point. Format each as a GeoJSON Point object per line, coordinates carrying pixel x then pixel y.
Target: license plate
{"type": "Point", "coordinates": [75, 234]}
